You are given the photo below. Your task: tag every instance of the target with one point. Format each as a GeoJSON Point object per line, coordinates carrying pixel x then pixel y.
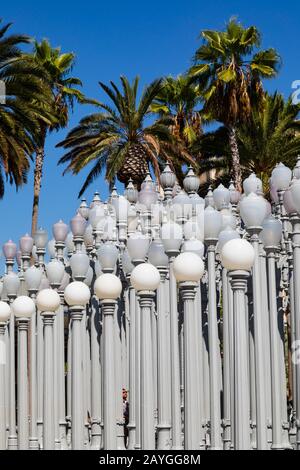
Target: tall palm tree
{"type": "Point", "coordinates": [117, 138]}
{"type": "Point", "coordinates": [271, 135]}
{"type": "Point", "coordinates": [57, 67]}
{"type": "Point", "coordinates": [178, 99]}
{"type": "Point", "coordinates": [230, 66]}
{"type": "Point", "coordinates": [21, 93]}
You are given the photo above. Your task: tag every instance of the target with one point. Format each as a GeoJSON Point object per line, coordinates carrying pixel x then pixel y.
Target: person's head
{"type": "Point", "coordinates": [124, 394]}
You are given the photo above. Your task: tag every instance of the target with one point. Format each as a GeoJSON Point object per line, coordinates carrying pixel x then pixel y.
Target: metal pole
{"type": "Point", "coordinates": [274, 348]}
{"type": "Point", "coordinates": [23, 424]}
{"type": "Point", "coordinates": [147, 402]}
{"type": "Point", "coordinates": [109, 391]}
{"type": "Point", "coordinates": [175, 366]}
{"type": "Point", "coordinates": [77, 378]}
{"type": "Point", "coordinates": [96, 389]}
{"type": "Point", "coordinates": [214, 354]}
{"type": "Point", "coordinates": [241, 369]}
{"type": "Point", "coordinates": [164, 425]}
{"type": "Point", "coordinates": [33, 432]}
{"type": "Point", "coordinates": [191, 437]}
{"type": "Point", "coordinates": [261, 417]}
{"type": "Point", "coordinates": [2, 387]}
{"type": "Point", "coordinates": [132, 368]}
{"type": "Point", "coordinates": [48, 382]}
{"type": "Point", "coordinates": [12, 443]}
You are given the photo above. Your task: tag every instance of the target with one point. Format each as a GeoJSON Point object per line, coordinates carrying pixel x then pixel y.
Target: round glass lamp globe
{"type": "Point", "coordinates": [108, 286]}
{"type": "Point", "coordinates": [145, 276]}
{"type": "Point", "coordinates": [288, 202]}
{"type": "Point", "coordinates": [23, 307]}
{"type": "Point", "coordinates": [188, 267]}
{"type": "Point", "coordinates": [4, 311]}
{"type": "Point", "coordinates": [48, 300]}
{"type": "Point", "coordinates": [11, 283]}
{"type": "Point", "coordinates": [77, 293]}
{"type": "Point", "coordinates": [237, 254]}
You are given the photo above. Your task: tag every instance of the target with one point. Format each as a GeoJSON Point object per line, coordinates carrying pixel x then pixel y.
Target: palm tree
{"type": "Point", "coordinates": [21, 91]}
{"type": "Point", "coordinates": [271, 135]}
{"type": "Point", "coordinates": [57, 67]}
{"type": "Point", "coordinates": [230, 66]}
{"type": "Point", "coordinates": [117, 138]}
{"type": "Point", "coordinates": [178, 100]}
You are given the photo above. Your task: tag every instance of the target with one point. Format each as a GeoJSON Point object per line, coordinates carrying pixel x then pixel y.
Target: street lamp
{"type": "Point", "coordinates": [238, 257]}
{"type": "Point", "coordinates": [77, 295]}
{"type": "Point", "coordinates": [47, 302]}
{"type": "Point", "coordinates": [145, 279]}
{"type": "Point", "coordinates": [188, 270]}
{"type": "Point", "coordinates": [4, 317]}
{"type": "Point", "coordinates": [108, 288]}
{"type": "Point", "coordinates": [23, 308]}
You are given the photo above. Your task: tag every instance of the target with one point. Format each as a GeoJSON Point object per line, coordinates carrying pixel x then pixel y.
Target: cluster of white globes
{"type": "Point", "coordinates": [236, 254]}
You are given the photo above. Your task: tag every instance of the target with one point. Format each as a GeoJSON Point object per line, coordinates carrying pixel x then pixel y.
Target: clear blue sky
{"type": "Point", "coordinates": [117, 37]}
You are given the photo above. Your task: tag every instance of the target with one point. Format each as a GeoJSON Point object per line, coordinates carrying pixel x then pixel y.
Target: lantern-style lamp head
{"type": "Point", "coordinates": [9, 249]}
{"type": "Point", "coordinates": [253, 210]}
{"type": "Point", "coordinates": [191, 182]}
{"type": "Point", "coordinates": [126, 262]}
{"type": "Point", "coordinates": [40, 238]}
{"type": "Point", "coordinates": [78, 225]}
{"type": "Point", "coordinates": [83, 209]}
{"type": "Point", "coordinates": [77, 293]}
{"type": "Point", "coordinates": [157, 255]}
{"type": "Point", "coordinates": [33, 277]}
{"type": "Point", "coordinates": [55, 272]}
{"type": "Point", "coordinates": [4, 312]}
{"type": "Point", "coordinates": [145, 277]}
{"type": "Point", "coordinates": [252, 184]}
{"type": "Point", "coordinates": [188, 267]}
{"type": "Point", "coordinates": [26, 244]}
{"type": "Point", "coordinates": [60, 231]}
{"type": "Point", "coordinates": [11, 284]}
{"type": "Point", "coordinates": [79, 263]}
{"type": "Point", "coordinates": [271, 232]}
{"type": "Point", "coordinates": [23, 307]}
{"type": "Point", "coordinates": [108, 255]}
{"type": "Point", "coordinates": [171, 236]}
{"type": "Point", "coordinates": [237, 254]}
{"type": "Point", "coordinates": [108, 287]}
{"type": "Point", "coordinates": [47, 300]}
{"type": "Point", "coordinates": [281, 177]}
{"type": "Point", "coordinates": [212, 224]}
{"type": "Point", "coordinates": [221, 197]}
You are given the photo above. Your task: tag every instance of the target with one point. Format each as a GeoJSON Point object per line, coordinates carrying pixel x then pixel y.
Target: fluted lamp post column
{"type": "Point", "coordinates": [271, 236]}
{"type": "Point", "coordinates": [47, 302]}
{"type": "Point", "coordinates": [77, 295]}
{"type": "Point", "coordinates": [11, 283]}
{"type": "Point", "coordinates": [33, 277]}
{"type": "Point", "coordinates": [23, 308]}
{"type": "Point", "coordinates": [159, 259]}
{"type": "Point", "coordinates": [188, 270]}
{"type": "Point", "coordinates": [4, 317]}
{"type": "Point", "coordinates": [145, 279]}
{"type": "Point", "coordinates": [108, 288]}
{"type": "Point", "coordinates": [238, 257]}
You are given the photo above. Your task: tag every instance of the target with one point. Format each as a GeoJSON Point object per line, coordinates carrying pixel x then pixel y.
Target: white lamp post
{"type": "Point", "coordinates": [33, 277]}
{"type": "Point", "coordinates": [23, 308]}
{"type": "Point", "coordinates": [238, 257]}
{"type": "Point", "coordinates": [47, 302]}
{"type": "Point", "coordinates": [188, 270]}
{"type": "Point", "coordinates": [108, 288]}
{"type": "Point", "coordinates": [145, 279]}
{"type": "Point", "coordinates": [4, 317]}
{"type": "Point", "coordinates": [77, 295]}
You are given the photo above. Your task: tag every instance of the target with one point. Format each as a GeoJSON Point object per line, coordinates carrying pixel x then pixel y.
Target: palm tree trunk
{"type": "Point", "coordinates": [37, 179]}
{"type": "Point", "coordinates": [237, 173]}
